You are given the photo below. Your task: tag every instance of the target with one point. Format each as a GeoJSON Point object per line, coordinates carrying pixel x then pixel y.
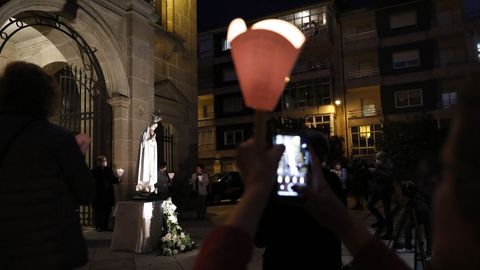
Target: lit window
{"type": "Point", "coordinates": [233, 137]}
{"type": "Point", "coordinates": [405, 59]}
{"type": "Point", "coordinates": [308, 20]}
{"type": "Point", "coordinates": [449, 99]}
{"type": "Point", "coordinates": [226, 45]}
{"type": "Point", "coordinates": [365, 139]}
{"type": "Point", "coordinates": [404, 19]}
{"type": "Point", "coordinates": [408, 98]}
{"type": "Point", "coordinates": [368, 107]}
{"type": "Point", "coordinates": [320, 122]}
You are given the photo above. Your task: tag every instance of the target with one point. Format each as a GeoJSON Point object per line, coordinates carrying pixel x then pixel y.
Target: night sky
{"type": "Point", "coordinates": [218, 13]}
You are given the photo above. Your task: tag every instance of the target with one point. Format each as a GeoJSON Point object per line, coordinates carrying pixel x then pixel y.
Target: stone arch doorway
{"type": "Point", "coordinates": [84, 107]}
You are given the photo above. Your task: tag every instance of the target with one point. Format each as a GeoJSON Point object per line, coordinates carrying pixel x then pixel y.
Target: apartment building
{"type": "Point", "coordinates": [359, 68]}
{"type": "Point", "coordinates": [224, 121]}
{"type": "Point", "coordinates": [402, 60]}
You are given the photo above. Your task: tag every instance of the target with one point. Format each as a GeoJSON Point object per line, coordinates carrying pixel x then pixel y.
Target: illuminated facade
{"type": "Point", "coordinates": [130, 56]}
{"type": "Point", "coordinates": [224, 122]}
{"type": "Point", "coordinates": [391, 62]}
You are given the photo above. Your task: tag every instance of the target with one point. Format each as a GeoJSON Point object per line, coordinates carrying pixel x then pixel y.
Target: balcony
{"type": "Point", "coordinates": [206, 150]}
{"type": "Point", "coordinates": [360, 41]}
{"type": "Point", "coordinates": [361, 36]}
{"type": "Point", "coordinates": [319, 68]}
{"type": "Point", "coordinates": [367, 112]}
{"type": "Point", "coordinates": [362, 73]}
{"type": "Point", "coordinates": [363, 77]}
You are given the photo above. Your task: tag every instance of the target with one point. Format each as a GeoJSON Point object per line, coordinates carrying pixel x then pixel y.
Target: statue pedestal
{"type": "Point", "coordinates": [138, 225]}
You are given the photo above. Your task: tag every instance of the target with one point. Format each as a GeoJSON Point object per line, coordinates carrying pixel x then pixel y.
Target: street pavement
{"type": "Point", "coordinates": [102, 257]}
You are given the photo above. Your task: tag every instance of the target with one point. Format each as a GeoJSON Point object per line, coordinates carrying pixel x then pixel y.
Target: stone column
{"type": "Point", "coordinates": [122, 142]}
{"type": "Point", "coordinates": [140, 73]}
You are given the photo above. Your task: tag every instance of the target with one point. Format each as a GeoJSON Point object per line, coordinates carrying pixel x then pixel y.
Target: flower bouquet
{"type": "Point", "coordinates": [174, 239]}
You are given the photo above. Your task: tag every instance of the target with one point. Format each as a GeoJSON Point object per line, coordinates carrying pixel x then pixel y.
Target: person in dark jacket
{"type": "Point", "coordinates": [44, 177]}
{"type": "Point", "coordinates": [382, 190]}
{"type": "Point", "coordinates": [287, 230]}
{"type": "Point", "coordinates": [104, 198]}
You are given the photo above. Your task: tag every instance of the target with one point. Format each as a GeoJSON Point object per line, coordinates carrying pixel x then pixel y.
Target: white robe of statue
{"type": "Point", "coordinates": [147, 162]}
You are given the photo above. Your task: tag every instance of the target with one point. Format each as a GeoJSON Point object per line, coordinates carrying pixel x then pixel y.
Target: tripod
{"type": "Point", "coordinates": [410, 214]}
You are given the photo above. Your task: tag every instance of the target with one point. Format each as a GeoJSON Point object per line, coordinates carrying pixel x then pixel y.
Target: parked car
{"type": "Point", "coordinates": [225, 186]}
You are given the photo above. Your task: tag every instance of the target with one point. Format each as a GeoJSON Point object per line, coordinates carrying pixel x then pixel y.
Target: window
{"type": "Point", "coordinates": [204, 46]}
{"type": "Point", "coordinates": [231, 105]}
{"type": "Point", "coordinates": [309, 20]}
{"type": "Point", "coordinates": [233, 137]}
{"type": "Point", "coordinates": [408, 98]}
{"type": "Point", "coordinates": [320, 122]}
{"type": "Point", "coordinates": [308, 93]}
{"type": "Point", "coordinates": [225, 45]}
{"type": "Point", "coordinates": [406, 59]}
{"type": "Point", "coordinates": [368, 107]}
{"type": "Point", "coordinates": [449, 99]}
{"type": "Point", "coordinates": [404, 19]}
{"type": "Point", "coordinates": [205, 111]}
{"type": "Point", "coordinates": [365, 139]}
{"type": "Point", "coordinates": [228, 74]}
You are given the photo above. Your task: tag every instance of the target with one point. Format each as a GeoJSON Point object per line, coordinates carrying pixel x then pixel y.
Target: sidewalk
{"type": "Point", "coordinates": [102, 257]}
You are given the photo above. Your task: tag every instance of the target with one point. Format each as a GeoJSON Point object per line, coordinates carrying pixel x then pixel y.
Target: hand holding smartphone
{"type": "Point", "coordinates": [293, 168]}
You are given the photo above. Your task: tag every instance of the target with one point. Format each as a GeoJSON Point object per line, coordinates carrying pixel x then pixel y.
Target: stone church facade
{"type": "Point", "coordinates": [133, 56]}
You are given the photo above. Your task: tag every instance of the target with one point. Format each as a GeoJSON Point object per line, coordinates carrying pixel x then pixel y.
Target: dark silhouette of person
{"type": "Point", "coordinates": [291, 237]}
{"type": "Point", "coordinates": [382, 190]}
{"type": "Point", "coordinates": [360, 176]}
{"type": "Point", "coordinates": [44, 176]}
{"type": "Point", "coordinates": [104, 199]}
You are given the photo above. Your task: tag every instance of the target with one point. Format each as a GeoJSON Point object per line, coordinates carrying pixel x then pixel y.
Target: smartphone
{"type": "Point", "coordinates": [293, 168]}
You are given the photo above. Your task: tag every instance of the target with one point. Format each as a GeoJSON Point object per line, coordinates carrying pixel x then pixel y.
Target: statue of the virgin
{"type": "Point", "coordinates": [147, 160]}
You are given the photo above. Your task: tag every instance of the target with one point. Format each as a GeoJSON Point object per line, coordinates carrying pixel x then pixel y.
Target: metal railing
{"type": "Point", "coordinates": [208, 116]}
{"type": "Point", "coordinates": [304, 67]}
{"type": "Point", "coordinates": [206, 147]}
{"type": "Point", "coordinates": [363, 73]}
{"type": "Point", "coordinates": [364, 113]}
{"type": "Point", "coordinates": [361, 36]}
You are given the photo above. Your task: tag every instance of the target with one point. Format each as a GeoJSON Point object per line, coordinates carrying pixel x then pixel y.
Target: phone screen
{"type": "Point", "coordinates": [293, 166]}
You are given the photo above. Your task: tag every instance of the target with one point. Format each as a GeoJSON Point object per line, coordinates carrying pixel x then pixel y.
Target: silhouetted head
{"type": "Point", "coordinates": [27, 89]}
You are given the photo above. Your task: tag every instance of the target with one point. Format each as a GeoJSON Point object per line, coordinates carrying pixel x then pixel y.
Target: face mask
{"type": "Point", "coordinates": [104, 163]}
{"type": "Point", "coordinates": [378, 162]}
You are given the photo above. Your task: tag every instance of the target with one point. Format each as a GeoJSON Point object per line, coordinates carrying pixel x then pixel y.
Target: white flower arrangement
{"type": "Point", "coordinates": [174, 239]}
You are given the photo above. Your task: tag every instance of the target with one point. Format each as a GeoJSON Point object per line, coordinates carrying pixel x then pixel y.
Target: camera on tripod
{"type": "Point", "coordinates": [409, 189]}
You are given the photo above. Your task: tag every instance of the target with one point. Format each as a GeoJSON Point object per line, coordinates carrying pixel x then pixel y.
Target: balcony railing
{"type": "Point", "coordinates": [304, 67]}
{"type": "Point", "coordinates": [362, 73]}
{"type": "Point", "coordinates": [361, 36]}
{"type": "Point", "coordinates": [364, 113]}
{"type": "Point", "coordinates": [208, 116]}
{"type": "Point", "coordinates": [206, 147]}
